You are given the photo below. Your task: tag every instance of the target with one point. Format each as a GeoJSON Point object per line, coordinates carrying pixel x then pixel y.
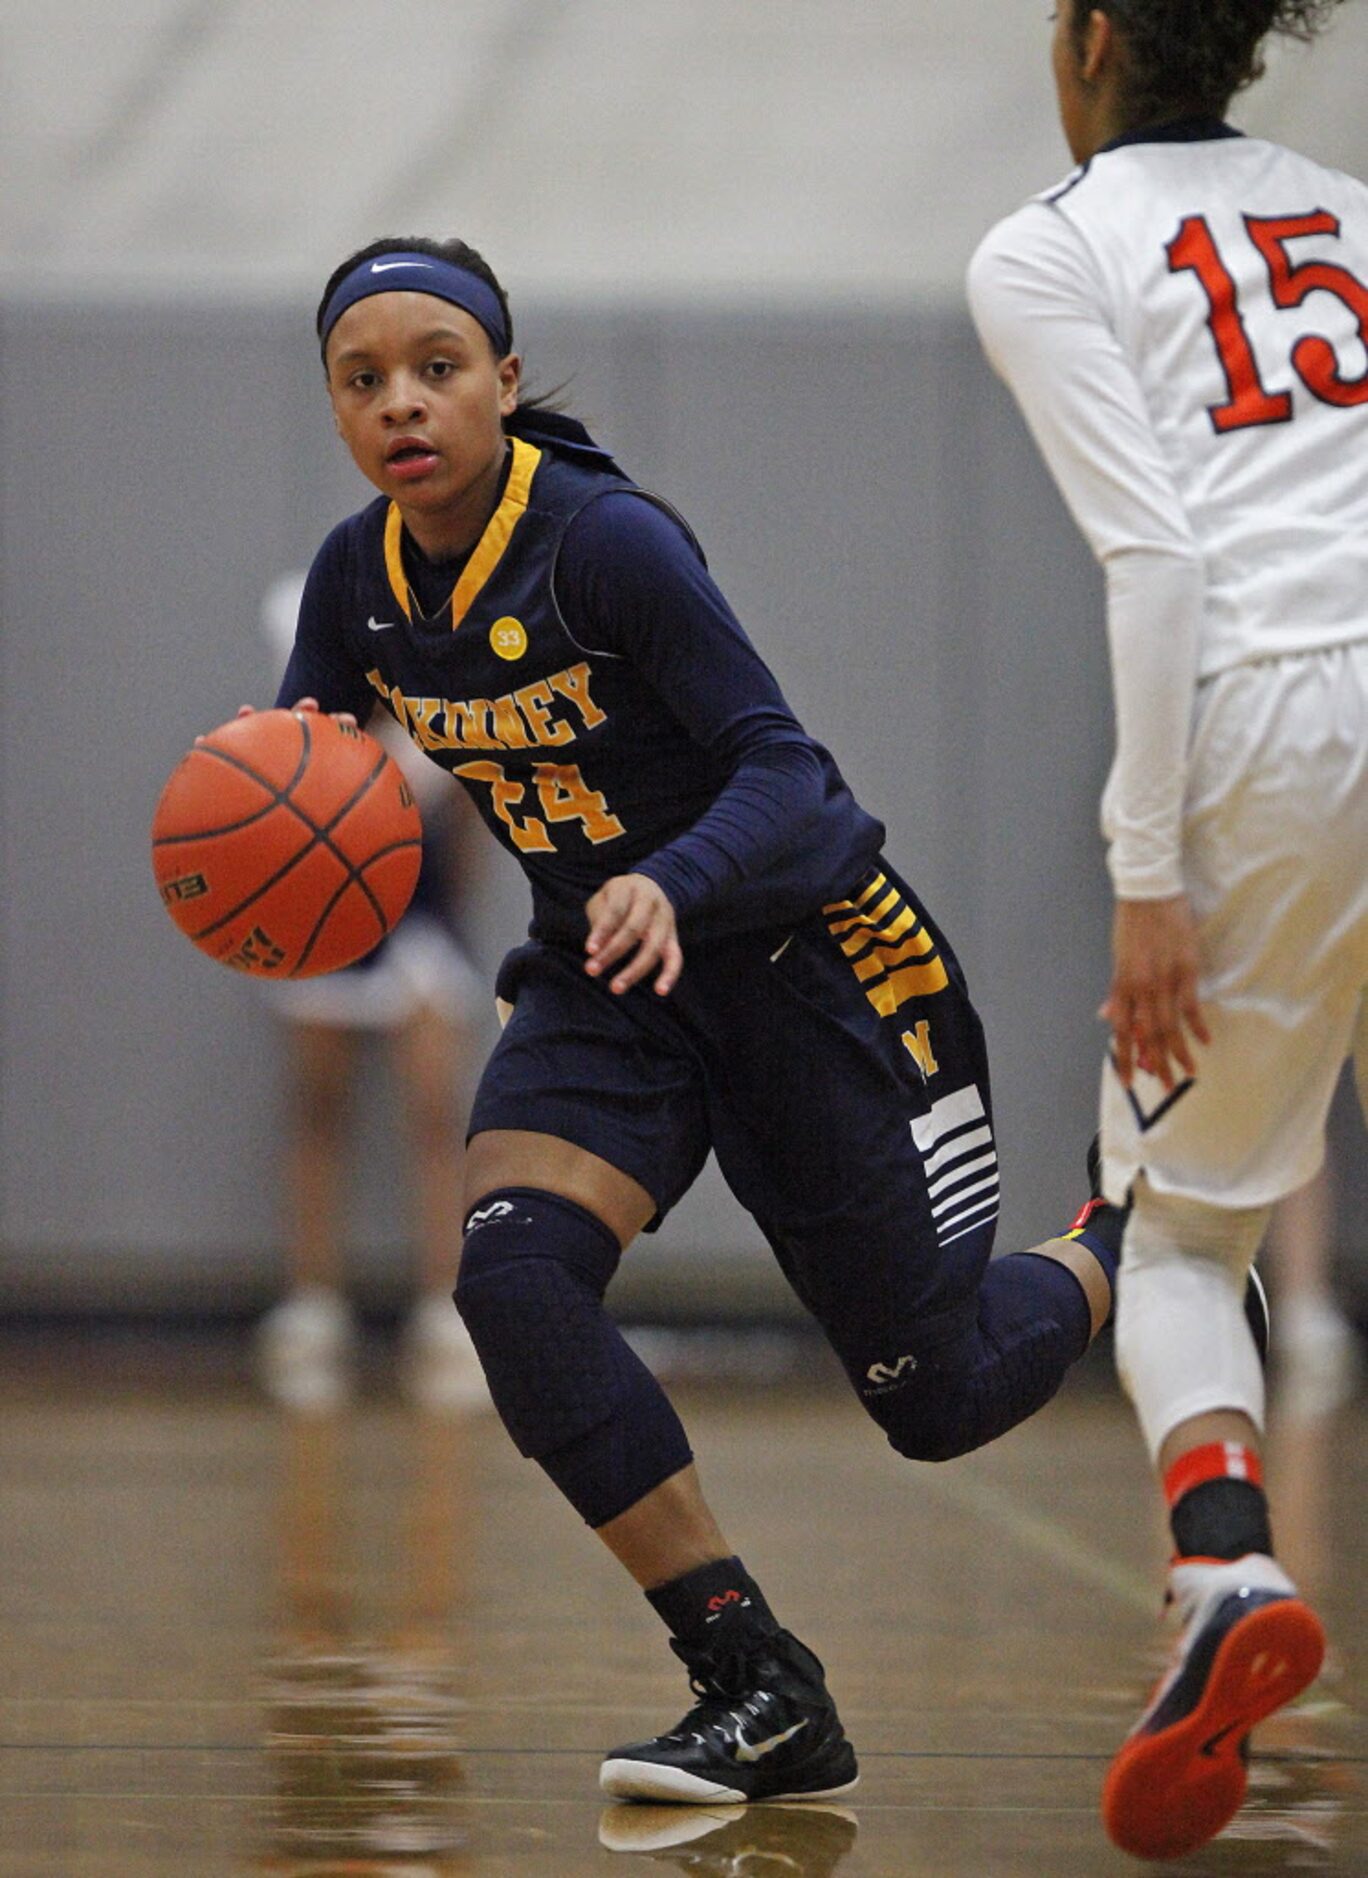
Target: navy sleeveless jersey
{"type": "Point", "coordinates": [588, 684]}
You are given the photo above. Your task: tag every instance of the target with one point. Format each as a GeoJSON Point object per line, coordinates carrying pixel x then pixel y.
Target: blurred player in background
{"type": "Point", "coordinates": [416, 993]}
{"type": "Point", "coordinates": [1183, 322]}
{"type": "Point", "coordinates": [1317, 1345]}
{"type": "Point", "coordinates": [720, 960]}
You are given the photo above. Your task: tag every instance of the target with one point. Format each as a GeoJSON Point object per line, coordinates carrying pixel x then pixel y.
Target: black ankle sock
{"type": "Point", "coordinates": [1221, 1519]}
{"type": "Point", "coordinates": [720, 1596]}
{"type": "Point", "coordinates": [1103, 1232]}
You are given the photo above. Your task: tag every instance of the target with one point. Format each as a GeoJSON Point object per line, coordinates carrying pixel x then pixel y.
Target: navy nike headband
{"type": "Point", "coordinates": [403, 272]}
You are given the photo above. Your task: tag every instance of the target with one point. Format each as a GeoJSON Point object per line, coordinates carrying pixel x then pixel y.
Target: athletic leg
{"type": "Point", "coordinates": [547, 1219]}
{"type": "Point", "coordinates": [1248, 1643]}
{"type": "Point", "coordinates": [439, 1368]}
{"type": "Point", "coordinates": [575, 1398]}
{"type": "Point", "coordinates": [320, 1072]}
{"type": "Point", "coordinates": [546, 1223]}
{"type": "Point", "coordinates": [586, 1128]}
{"type": "Point", "coordinates": [1034, 1314]}
{"type": "Point", "coordinates": [304, 1343]}
{"type": "Point", "coordinates": [1275, 858]}
{"type": "Point", "coordinates": [1317, 1342]}
{"type": "Point", "coordinates": [428, 1049]}
{"type": "Point", "coordinates": [853, 1118]}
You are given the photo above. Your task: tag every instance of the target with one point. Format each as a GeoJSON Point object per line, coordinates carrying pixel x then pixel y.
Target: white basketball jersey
{"type": "Point", "coordinates": [1185, 325]}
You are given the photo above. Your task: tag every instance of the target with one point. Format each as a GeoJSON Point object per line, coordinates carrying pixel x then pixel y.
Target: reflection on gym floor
{"type": "Point", "coordinates": [363, 1723]}
{"type": "Point", "coordinates": [812, 1839]}
{"type": "Point", "coordinates": [370, 1641]}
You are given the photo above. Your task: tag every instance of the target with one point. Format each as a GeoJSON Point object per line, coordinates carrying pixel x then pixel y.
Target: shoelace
{"type": "Point", "coordinates": [722, 1674]}
{"type": "Point", "coordinates": [727, 1670]}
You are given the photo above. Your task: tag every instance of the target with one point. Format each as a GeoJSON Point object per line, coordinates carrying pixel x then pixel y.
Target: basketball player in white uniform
{"type": "Point", "coordinates": [1184, 323]}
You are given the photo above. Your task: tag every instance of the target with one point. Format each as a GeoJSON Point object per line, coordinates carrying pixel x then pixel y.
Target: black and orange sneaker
{"type": "Point", "coordinates": [1248, 1645]}
{"type": "Point", "coordinates": [764, 1728]}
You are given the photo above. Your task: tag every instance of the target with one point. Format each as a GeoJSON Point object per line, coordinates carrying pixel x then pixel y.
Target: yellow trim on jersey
{"type": "Point", "coordinates": [498, 531]}
{"type": "Point", "coordinates": [489, 549]}
{"type": "Point", "coordinates": [394, 560]}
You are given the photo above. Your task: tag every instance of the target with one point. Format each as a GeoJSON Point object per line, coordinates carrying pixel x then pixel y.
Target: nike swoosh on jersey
{"type": "Point", "coordinates": [747, 1753]}
{"type": "Point", "coordinates": [379, 625]}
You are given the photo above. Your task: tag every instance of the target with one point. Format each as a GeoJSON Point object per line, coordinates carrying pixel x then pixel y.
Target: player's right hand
{"type": "Point", "coordinates": [1152, 1007]}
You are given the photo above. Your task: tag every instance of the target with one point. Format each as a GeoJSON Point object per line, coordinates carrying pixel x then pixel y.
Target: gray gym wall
{"type": "Point", "coordinates": [868, 500]}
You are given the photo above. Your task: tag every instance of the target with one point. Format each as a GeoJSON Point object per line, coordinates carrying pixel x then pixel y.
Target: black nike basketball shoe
{"type": "Point", "coordinates": [764, 1728]}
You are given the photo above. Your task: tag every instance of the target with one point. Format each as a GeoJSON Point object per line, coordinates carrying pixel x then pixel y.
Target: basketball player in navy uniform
{"type": "Point", "coordinates": [1183, 321]}
{"type": "Point", "coordinates": [719, 959]}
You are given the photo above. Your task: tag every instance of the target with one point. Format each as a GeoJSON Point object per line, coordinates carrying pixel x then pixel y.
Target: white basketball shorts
{"type": "Point", "coordinates": [1275, 859]}
{"type": "Point", "coordinates": [420, 967]}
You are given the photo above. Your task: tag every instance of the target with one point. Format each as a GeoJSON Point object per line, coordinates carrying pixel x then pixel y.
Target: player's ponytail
{"type": "Point", "coordinates": [1189, 60]}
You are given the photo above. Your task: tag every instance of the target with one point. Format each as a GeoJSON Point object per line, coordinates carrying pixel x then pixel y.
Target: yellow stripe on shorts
{"type": "Point", "coordinates": [879, 933]}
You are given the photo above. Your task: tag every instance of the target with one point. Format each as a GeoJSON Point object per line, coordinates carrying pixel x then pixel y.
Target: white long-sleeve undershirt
{"type": "Point", "coordinates": [1041, 315]}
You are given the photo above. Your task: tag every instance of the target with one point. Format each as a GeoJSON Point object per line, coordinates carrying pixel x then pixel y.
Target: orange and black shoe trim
{"type": "Point", "coordinates": [1180, 1776]}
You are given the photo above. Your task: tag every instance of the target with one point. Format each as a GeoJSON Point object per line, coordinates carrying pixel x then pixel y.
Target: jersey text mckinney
{"type": "Point", "coordinates": [519, 720]}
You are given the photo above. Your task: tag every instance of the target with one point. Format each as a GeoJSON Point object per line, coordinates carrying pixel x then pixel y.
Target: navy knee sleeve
{"type": "Point", "coordinates": [1033, 1323]}
{"type": "Point", "coordinates": [574, 1397]}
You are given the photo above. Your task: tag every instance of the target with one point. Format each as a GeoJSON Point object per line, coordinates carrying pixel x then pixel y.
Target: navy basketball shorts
{"type": "Point", "coordinates": [837, 1070]}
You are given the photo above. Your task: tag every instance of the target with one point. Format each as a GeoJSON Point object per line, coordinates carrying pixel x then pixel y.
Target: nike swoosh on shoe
{"type": "Point", "coordinates": [748, 1754]}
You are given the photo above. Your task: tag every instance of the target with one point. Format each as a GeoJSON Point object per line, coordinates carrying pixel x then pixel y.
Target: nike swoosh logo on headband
{"type": "Point", "coordinates": [383, 267]}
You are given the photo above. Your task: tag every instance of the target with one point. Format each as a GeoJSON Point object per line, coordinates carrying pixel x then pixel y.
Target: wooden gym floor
{"type": "Point", "coordinates": [234, 1641]}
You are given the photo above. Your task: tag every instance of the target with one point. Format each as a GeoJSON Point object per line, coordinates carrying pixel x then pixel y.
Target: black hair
{"type": "Point", "coordinates": [1188, 58]}
{"type": "Point", "coordinates": [459, 253]}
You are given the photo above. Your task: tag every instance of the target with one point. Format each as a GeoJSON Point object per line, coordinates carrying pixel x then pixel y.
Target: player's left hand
{"type": "Point", "coordinates": [303, 704]}
{"type": "Point", "coordinates": [1152, 1006]}
{"type": "Point", "coordinates": [310, 704]}
{"type": "Point", "coordinates": [630, 918]}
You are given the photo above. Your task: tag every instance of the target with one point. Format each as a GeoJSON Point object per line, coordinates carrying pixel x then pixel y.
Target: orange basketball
{"type": "Point", "coordinates": [286, 844]}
